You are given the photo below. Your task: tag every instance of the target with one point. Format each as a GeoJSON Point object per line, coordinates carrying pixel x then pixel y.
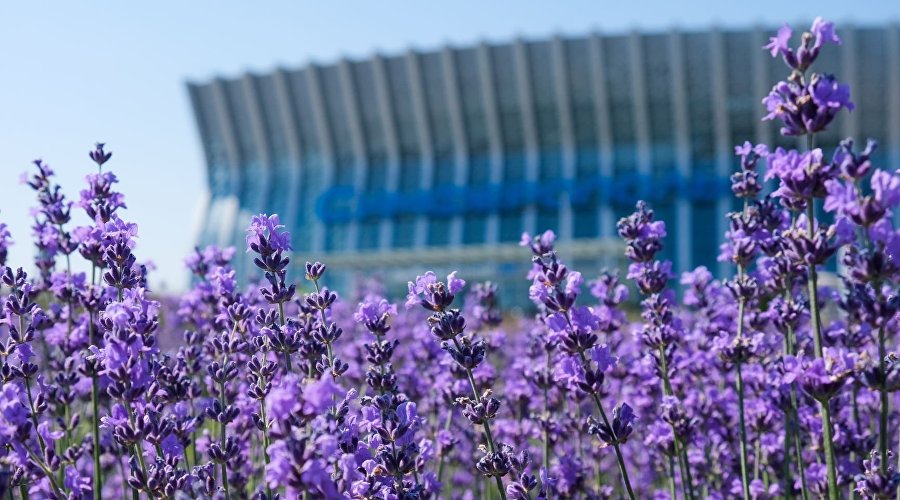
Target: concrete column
{"type": "Point", "coordinates": [722, 130]}
{"type": "Point", "coordinates": [495, 141]}
{"type": "Point", "coordinates": [326, 144]}
{"type": "Point", "coordinates": [598, 71]}
{"type": "Point", "coordinates": [529, 129]}
{"type": "Point", "coordinates": [288, 121]}
{"type": "Point", "coordinates": [227, 230]}
{"type": "Point", "coordinates": [457, 127]}
{"type": "Point", "coordinates": [683, 208]}
{"type": "Point", "coordinates": [357, 144]}
{"type": "Point", "coordinates": [420, 111]}
{"type": "Point", "coordinates": [386, 112]}
{"type": "Point", "coordinates": [566, 133]}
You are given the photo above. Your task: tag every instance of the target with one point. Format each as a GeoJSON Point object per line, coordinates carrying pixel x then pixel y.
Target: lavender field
{"type": "Point", "coordinates": [772, 383]}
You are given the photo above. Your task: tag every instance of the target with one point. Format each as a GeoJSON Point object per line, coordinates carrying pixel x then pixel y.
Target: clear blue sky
{"type": "Point", "coordinates": [74, 73]}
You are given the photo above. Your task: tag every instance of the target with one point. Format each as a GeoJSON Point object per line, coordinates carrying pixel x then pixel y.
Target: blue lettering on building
{"type": "Point", "coordinates": [341, 204]}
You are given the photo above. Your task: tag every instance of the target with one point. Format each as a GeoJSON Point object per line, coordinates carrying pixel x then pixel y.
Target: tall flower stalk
{"type": "Point", "coordinates": [770, 384]}
{"type": "Point", "coordinates": [449, 326]}
{"type": "Point", "coordinates": [745, 185]}
{"type": "Point", "coordinates": [556, 289]}
{"type": "Point", "coordinates": [661, 330]}
{"type": "Point", "coordinates": [806, 104]}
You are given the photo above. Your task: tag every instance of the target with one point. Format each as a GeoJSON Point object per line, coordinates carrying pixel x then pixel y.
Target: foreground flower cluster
{"type": "Point", "coordinates": [763, 385]}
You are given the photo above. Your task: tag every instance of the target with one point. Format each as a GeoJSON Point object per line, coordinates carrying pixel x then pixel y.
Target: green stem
{"type": "Point", "coordinates": [487, 426]}
{"type": "Point", "coordinates": [57, 489]}
{"type": "Point", "coordinates": [138, 447]}
{"type": "Point", "coordinates": [222, 438]}
{"type": "Point", "coordinates": [329, 350]}
{"type": "Point", "coordinates": [757, 460]}
{"type": "Point", "coordinates": [31, 409]}
{"type": "Point", "coordinates": [798, 446]}
{"type": "Point", "coordinates": [546, 431]}
{"type": "Point", "coordinates": [442, 461]}
{"type": "Point", "coordinates": [95, 418]}
{"type": "Point", "coordinates": [817, 338]}
{"type": "Point", "coordinates": [34, 420]}
{"type": "Point", "coordinates": [224, 401]}
{"type": "Point", "coordinates": [193, 441]}
{"type": "Point", "coordinates": [680, 451]}
{"type": "Point", "coordinates": [851, 493]}
{"type": "Point", "coordinates": [672, 477]}
{"type": "Point", "coordinates": [792, 430]}
{"type": "Point", "coordinates": [616, 446]}
{"type": "Point", "coordinates": [125, 480]}
{"type": "Point", "coordinates": [619, 458]}
{"type": "Point", "coordinates": [898, 467]}
{"type": "Point", "coordinates": [885, 402]}
{"type": "Point", "coordinates": [262, 405]}
{"type": "Point", "coordinates": [618, 449]}
{"type": "Point", "coordinates": [745, 480]}
{"type": "Point", "coordinates": [265, 433]}
{"type": "Point", "coordinates": [287, 355]}
{"type": "Point", "coordinates": [829, 451]}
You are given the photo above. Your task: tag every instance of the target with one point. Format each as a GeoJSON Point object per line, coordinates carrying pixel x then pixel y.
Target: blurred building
{"type": "Point", "coordinates": [441, 159]}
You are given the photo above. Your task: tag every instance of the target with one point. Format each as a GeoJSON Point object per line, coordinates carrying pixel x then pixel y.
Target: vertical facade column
{"type": "Point", "coordinates": [461, 163]}
{"type": "Point", "coordinates": [288, 120]}
{"type": "Point", "coordinates": [426, 151]}
{"type": "Point", "coordinates": [357, 144]}
{"type": "Point", "coordinates": [385, 111]}
{"type": "Point", "coordinates": [260, 139]}
{"type": "Point", "coordinates": [639, 104]}
{"type": "Point", "coordinates": [326, 144]}
{"type": "Point", "coordinates": [495, 142]}
{"type": "Point", "coordinates": [598, 70]}
{"type": "Point", "coordinates": [892, 64]}
{"type": "Point", "coordinates": [227, 232]}
{"type": "Point", "coordinates": [682, 132]}
{"type": "Point", "coordinates": [529, 130]}
{"type": "Point", "coordinates": [762, 83]}
{"type": "Point", "coordinates": [567, 135]}
{"type": "Point", "coordinates": [203, 216]}
{"type": "Point", "coordinates": [722, 131]}
{"type": "Point", "coordinates": [848, 75]}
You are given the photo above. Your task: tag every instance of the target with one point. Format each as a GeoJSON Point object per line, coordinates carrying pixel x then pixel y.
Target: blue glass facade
{"type": "Point", "coordinates": [433, 154]}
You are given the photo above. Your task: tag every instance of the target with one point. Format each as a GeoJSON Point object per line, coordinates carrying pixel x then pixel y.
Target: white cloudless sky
{"type": "Point", "coordinates": [74, 73]}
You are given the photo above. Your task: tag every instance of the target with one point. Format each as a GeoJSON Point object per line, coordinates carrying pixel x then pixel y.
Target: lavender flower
{"type": "Point", "coordinates": [236, 391]}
